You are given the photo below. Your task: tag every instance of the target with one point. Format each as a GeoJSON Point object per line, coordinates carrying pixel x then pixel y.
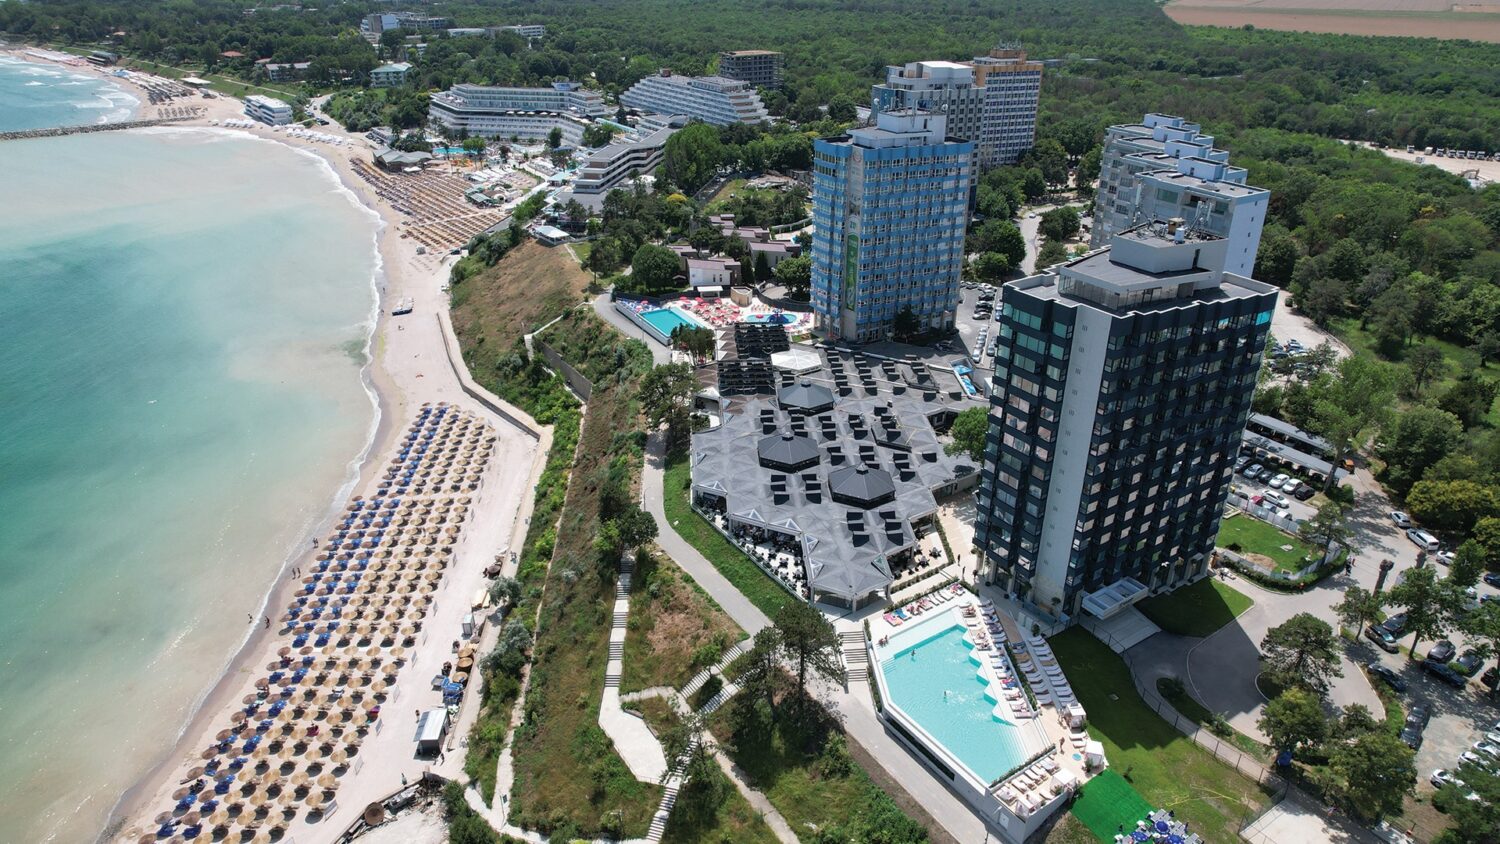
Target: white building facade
{"type": "Point", "coordinates": [268, 110]}
{"type": "Point", "coordinates": [712, 99]}
{"type": "Point", "coordinates": [1165, 167]}
{"type": "Point", "coordinates": [526, 113]}
{"type": "Point", "coordinates": [991, 100]}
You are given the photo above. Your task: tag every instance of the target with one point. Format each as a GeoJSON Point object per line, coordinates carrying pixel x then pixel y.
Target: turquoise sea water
{"type": "Point", "coordinates": [934, 682]}
{"type": "Point", "coordinates": [40, 96]}
{"type": "Point", "coordinates": [183, 327]}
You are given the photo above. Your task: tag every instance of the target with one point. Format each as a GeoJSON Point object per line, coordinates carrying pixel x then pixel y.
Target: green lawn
{"type": "Point", "coordinates": [754, 584]}
{"type": "Point", "coordinates": [1196, 610]}
{"type": "Point", "coordinates": [1249, 535]}
{"type": "Point", "coordinates": [1191, 709]}
{"type": "Point", "coordinates": [1164, 766]}
{"type": "Point", "coordinates": [731, 186]}
{"type": "Point", "coordinates": [1106, 803]}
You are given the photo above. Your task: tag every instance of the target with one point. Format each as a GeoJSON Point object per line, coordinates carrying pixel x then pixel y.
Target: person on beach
{"type": "Point", "coordinates": [249, 619]}
{"type": "Point", "coordinates": [267, 620]}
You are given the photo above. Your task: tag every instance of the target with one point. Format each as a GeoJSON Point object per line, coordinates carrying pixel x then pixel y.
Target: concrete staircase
{"type": "Point", "coordinates": [617, 627]}
{"type": "Point", "coordinates": [673, 785]}
{"type": "Point", "coordinates": [740, 649]}
{"type": "Point", "coordinates": [856, 656]}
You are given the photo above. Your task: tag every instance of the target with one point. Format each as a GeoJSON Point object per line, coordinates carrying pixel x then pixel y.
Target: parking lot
{"type": "Point", "coordinates": [970, 328]}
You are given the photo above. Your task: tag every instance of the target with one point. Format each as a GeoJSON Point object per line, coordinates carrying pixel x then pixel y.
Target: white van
{"type": "Point", "coordinates": [1426, 541]}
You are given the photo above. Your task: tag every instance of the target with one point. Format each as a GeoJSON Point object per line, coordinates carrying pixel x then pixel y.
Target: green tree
{"type": "Point", "coordinates": [1358, 397]}
{"type": "Point", "coordinates": [1357, 606]}
{"type": "Point", "coordinates": [795, 274]}
{"type": "Point", "coordinates": [1302, 652]}
{"type": "Point", "coordinates": [598, 134]}
{"type": "Point", "coordinates": [1470, 821]}
{"type": "Point", "coordinates": [999, 236]}
{"type": "Point", "coordinates": [554, 138]}
{"type": "Point", "coordinates": [630, 528]}
{"type": "Point", "coordinates": [1426, 602]}
{"type": "Point", "coordinates": [505, 591]}
{"type": "Point", "coordinates": [1466, 567]}
{"type": "Point", "coordinates": [1487, 534]}
{"type": "Point", "coordinates": [760, 675]}
{"type": "Point", "coordinates": [1452, 505]}
{"type": "Point", "coordinates": [1427, 364]}
{"type": "Point", "coordinates": [1470, 398]}
{"type": "Point", "coordinates": [691, 156]}
{"type": "Point", "coordinates": [1089, 165]}
{"type": "Point", "coordinates": [1294, 720]}
{"type": "Point", "coordinates": [1482, 626]}
{"type": "Point", "coordinates": [905, 326]}
{"type": "Point", "coordinates": [762, 267]}
{"type": "Point", "coordinates": [1375, 772]}
{"type": "Point", "coordinates": [1059, 223]}
{"type": "Point", "coordinates": [474, 145]}
{"type": "Point", "coordinates": [698, 342]}
{"type": "Point", "coordinates": [1328, 527]}
{"type": "Point", "coordinates": [991, 266]}
{"type": "Point", "coordinates": [1051, 253]}
{"type": "Point", "coordinates": [969, 429]}
{"type": "Point", "coordinates": [1277, 256]}
{"type": "Point", "coordinates": [666, 395]}
{"type": "Point", "coordinates": [1414, 442]}
{"type": "Point", "coordinates": [841, 109]}
{"type": "Point", "coordinates": [654, 268]}
{"type": "Point", "coordinates": [811, 645]}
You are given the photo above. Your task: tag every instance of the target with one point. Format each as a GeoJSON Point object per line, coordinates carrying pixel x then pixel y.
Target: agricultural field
{"type": "Point", "coordinates": [1418, 18]}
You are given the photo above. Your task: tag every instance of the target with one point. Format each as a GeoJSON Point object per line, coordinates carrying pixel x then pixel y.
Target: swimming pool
{"type": "Point", "coordinates": [667, 319]}
{"type": "Point", "coordinates": [936, 683]}
{"type": "Point", "coordinates": [770, 319]}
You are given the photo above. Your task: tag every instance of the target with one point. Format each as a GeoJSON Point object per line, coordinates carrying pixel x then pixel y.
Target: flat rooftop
{"type": "Point", "coordinates": [1228, 190]}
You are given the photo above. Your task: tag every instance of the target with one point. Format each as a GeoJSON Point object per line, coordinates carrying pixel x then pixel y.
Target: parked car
{"type": "Point", "coordinates": [1275, 498]}
{"type": "Point", "coordinates": [1444, 673]}
{"type": "Point", "coordinates": [1441, 652]}
{"type": "Point", "coordinates": [1424, 540]}
{"type": "Point", "coordinates": [1488, 748]}
{"type": "Point", "coordinates": [1253, 472]}
{"type": "Point", "coordinates": [1395, 623]}
{"type": "Point", "coordinates": [1442, 777]}
{"type": "Point", "coordinates": [1478, 760]}
{"type": "Point", "coordinates": [1419, 714]}
{"type": "Point", "coordinates": [1491, 677]}
{"type": "Point", "coordinates": [1444, 557]}
{"type": "Point", "coordinates": [1401, 519]}
{"type": "Point", "coordinates": [1492, 578]}
{"type": "Point", "coordinates": [1390, 677]}
{"type": "Point", "coordinates": [1303, 492]}
{"type": "Point", "coordinates": [1382, 638]}
{"type": "Point", "coordinates": [1468, 663]}
{"type": "Point", "coordinates": [1278, 479]}
{"type": "Point", "coordinates": [1411, 737]}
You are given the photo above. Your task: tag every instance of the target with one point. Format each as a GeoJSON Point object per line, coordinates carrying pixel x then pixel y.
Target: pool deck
{"type": "Point", "coordinates": [1054, 751]}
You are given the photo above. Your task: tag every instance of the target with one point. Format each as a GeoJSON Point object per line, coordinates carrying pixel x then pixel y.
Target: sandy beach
{"type": "Point", "coordinates": [410, 369]}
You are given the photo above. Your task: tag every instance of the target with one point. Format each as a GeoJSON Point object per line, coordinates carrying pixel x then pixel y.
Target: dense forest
{"type": "Point", "coordinates": [1121, 57]}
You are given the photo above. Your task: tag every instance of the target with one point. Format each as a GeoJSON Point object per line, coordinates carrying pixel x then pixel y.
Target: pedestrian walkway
{"type": "Point", "coordinates": [637, 745]}
{"type": "Point", "coordinates": [740, 649]}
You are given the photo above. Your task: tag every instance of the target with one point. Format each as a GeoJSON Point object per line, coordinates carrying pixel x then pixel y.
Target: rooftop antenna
{"type": "Point", "coordinates": [1198, 225]}
{"type": "Point", "coordinates": [1135, 206]}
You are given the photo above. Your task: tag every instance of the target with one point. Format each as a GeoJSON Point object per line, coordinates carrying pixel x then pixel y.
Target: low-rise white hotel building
{"type": "Point", "coordinates": [712, 99]}
{"type": "Point", "coordinates": [526, 113]}
{"type": "Point", "coordinates": [268, 110]}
